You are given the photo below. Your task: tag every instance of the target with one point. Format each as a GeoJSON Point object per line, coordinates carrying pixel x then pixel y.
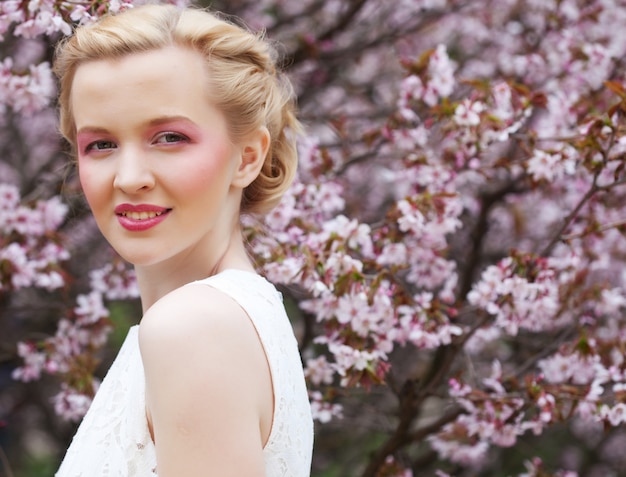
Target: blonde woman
{"type": "Point", "coordinates": [180, 123]}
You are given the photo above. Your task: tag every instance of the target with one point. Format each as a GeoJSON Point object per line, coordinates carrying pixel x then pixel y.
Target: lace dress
{"type": "Point", "coordinates": [114, 440]}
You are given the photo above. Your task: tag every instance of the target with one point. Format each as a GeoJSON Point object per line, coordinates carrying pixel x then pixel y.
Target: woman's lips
{"type": "Point", "coordinates": [140, 217]}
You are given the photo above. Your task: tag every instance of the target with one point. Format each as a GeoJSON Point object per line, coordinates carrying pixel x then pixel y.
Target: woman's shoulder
{"type": "Point", "coordinates": [196, 335]}
{"type": "Point", "coordinates": [191, 313]}
{"type": "Point", "coordinates": [205, 376]}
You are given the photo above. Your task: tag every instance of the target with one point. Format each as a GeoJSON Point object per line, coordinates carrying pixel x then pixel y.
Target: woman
{"type": "Point", "coordinates": [180, 123]}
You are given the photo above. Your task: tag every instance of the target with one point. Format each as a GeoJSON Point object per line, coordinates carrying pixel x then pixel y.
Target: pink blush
{"type": "Point", "coordinates": [83, 139]}
{"type": "Point", "coordinates": [176, 125]}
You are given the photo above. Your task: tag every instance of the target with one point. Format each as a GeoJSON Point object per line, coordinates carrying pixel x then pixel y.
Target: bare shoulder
{"type": "Point", "coordinates": [200, 325]}
{"type": "Point", "coordinates": [193, 312]}
{"type": "Point", "coordinates": [208, 387]}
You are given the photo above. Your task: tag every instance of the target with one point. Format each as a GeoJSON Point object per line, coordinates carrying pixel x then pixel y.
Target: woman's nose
{"type": "Point", "coordinates": [133, 173]}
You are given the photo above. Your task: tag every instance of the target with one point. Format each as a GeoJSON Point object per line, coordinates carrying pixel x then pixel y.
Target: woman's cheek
{"type": "Point", "coordinates": [92, 183]}
{"type": "Point", "coordinates": [203, 167]}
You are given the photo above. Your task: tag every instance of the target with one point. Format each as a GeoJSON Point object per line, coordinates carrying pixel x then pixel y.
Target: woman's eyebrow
{"type": "Point", "coordinates": [92, 129]}
{"type": "Point", "coordinates": [167, 119]}
{"type": "Point", "coordinates": [153, 122]}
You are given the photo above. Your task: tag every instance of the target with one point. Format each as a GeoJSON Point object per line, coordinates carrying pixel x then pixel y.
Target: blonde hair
{"type": "Point", "coordinates": [248, 87]}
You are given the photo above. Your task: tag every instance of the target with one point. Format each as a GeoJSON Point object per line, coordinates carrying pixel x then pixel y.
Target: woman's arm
{"type": "Point", "coordinates": [208, 385]}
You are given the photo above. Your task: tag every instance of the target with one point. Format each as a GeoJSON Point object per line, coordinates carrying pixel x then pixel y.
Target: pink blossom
{"type": "Point", "coordinates": [49, 281]}
{"type": "Point", "coordinates": [32, 259]}
{"type": "Point", "coordinates": [311, 160]}
{"type": "Point", "coordinates": [439, 84]}
{"type": "Point", "coordinates": [411, 219]}
{"type": "Point", "coordinates": [26, 221]}
{"type": "Point", "coordinates": [393, 469]}
{"type": "Point", "coordinates": [481, 339]}
{"type": "Point", "coordinates": [547, 405]}
{"type": "Point", "coordinates": [10, 12]}
{"type": "Point", "coordinates": [415, 327]}
{"type": "Point", "coordinates": [342, 264]}
{"type": "Point", "coordinates": [464, 454]}
{"type": "Point", "coordinates": [467, 113]}
{"type": "Point", "coordinates": [411, 88]}
{"type": "Point", "coordinates": [505, 436]}
{"type": "Point", "coordinates": [322, 410]}
{"type": "Point", "coordinates": [285, 271]}
{"type": "Point", "coordinates": [493, 382]}
{"type": "Point", "coordinates": [441, 71]}
{"type": "Point", "coordinates": [26, 93]}
{"type": "Point", "coordinates": [349, 359]}
{"type": "Point", "coordinates": [457, 389]}
{"type": "Point", "coordinates": [534, 468]}
{"type": "Point", "coordinates": [502, 108]}
{"type": "Point", "coordinates": [280, 218]}
{"type": "Point", "coordinates": [356, 235]}
{"type": "Point", "coordinates": [393, 254]}
{"type": "Point", "coordinates": [611, 301]}
{"type": "Point", "coordinates": [81, 15]}
{"type": "Point", "coordinates": [34, 362]}
{"type": "Point", "coordinates": [90, 308]}
{"type": "Point", "coordinates": [432, 177]}
{"type": "Point", "coordinates": [350, 306]}
{"type": "Point", "coordinates": [615, 415]}
{"type": "Point", "coordinates": [597, 66]}
{"type": "Point", "coordinates": [22, 271]}
{"type": "Point", "coordinates": [114, 281]}
{"type": "Point", "coordinates": [9, 197]}
{"type": "Point", "coordinates": [53, 212]}
{"type": "Point", "coordinates": [428, 269]}
{"type": "Point", "coordinates": [514, 300]}
{"type": "Point", "coordinates": [69, 340]}
{"type": "Point", "coordinates": [51, 254]}
{"type": "Point", "coordinates": [547, 166]}
{"type": "Point", "coordinates": [319, 371]}
{"type": "Point", "coordinates": [561, 368]}
{"type": "Point", "coordinates": [410, 139]}
{"type": "Point", "coordinates": [70, 404]}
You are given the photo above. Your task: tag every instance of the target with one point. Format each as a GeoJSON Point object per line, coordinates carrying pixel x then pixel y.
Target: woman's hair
{"type": "Point", "coordinates": [248, 87]}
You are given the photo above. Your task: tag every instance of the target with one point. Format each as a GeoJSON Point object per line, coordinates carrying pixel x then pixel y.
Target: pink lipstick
{"type": "Point", "coordinates": [140, 217]}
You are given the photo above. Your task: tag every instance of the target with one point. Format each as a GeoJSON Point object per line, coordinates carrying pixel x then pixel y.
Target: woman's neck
{"type": "Point", "coordinates": [156, 281]}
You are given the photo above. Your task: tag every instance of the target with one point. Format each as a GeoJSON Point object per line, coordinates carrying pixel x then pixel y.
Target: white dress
{"type": "Point", "coordinates": [113, 439]}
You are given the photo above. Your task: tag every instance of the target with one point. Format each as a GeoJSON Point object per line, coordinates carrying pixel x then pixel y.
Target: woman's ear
{"type": "Point", "coordinates": [253, 153]}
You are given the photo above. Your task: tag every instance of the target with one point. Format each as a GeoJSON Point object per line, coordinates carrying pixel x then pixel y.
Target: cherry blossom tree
{"type": "Point", "coordinates": [452, 252]}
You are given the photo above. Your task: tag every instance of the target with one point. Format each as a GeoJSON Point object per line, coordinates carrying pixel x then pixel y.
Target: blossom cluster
{"type": "Point", "coordinates": [29, 89]}
{"type": "Point", "coordinates": [31, 254]}
{"type": "Point", "coordinates": [34, 18]}
{"type": "Point", "coordinates": [80, 334]}
{"type": "Point", "coordinates": [511, 160]}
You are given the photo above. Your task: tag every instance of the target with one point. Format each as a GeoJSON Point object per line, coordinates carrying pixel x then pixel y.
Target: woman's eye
{"type": "Point", "coordinates": [170, 138]}
{"type": "Point", "coordinates": [101, 146]}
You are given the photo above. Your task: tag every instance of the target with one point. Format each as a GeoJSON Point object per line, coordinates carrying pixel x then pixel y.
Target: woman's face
{"type": "Point", "coordinates": [154, 156]}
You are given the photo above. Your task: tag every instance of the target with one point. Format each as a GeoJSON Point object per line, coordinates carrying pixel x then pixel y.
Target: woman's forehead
{"type": "Point", "coordinates": [166, 82]}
